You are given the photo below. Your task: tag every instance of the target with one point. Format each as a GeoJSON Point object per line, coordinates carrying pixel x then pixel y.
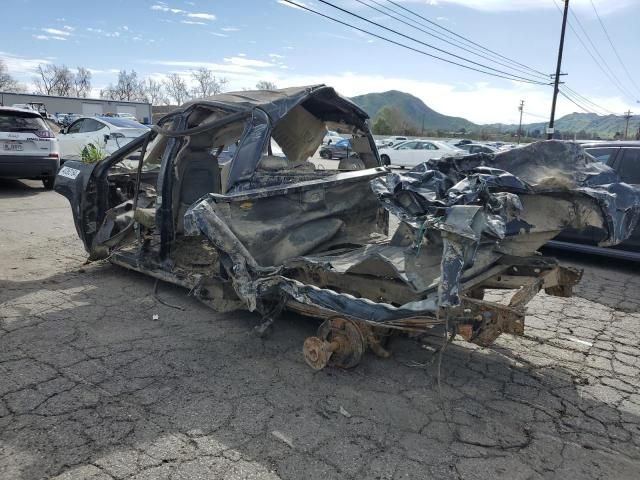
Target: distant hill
{"type": "Point", "coordinates": [404, 113]}
{"type": "Point", "coordinates": [605, 126]}
{"type": "Point", "coordinates": [411, 110]}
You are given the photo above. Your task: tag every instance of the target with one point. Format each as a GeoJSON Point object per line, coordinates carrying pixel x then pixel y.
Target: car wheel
{"type": "Point", "coordinates": [385, 160]}
{"type": "Point", "coordinates": [325, 155]}
{"type": "Point", "coordinates": [48, 182]}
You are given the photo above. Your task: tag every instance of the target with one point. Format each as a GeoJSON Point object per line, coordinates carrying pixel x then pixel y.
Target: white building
{"type": "Point", "coordinates": [83, 106]}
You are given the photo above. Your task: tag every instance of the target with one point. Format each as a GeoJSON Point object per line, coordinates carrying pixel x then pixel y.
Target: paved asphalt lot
{"type": "Point", "coordinates": [92, 387]}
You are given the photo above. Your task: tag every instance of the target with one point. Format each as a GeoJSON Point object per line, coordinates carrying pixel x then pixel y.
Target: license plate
{"type": "Point", "coordinates": [13, 147]}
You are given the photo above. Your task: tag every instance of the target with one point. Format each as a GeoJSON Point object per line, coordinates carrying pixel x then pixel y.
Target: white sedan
{"type": "Point", "coordinates": [105, 133]}
{"type": "Point", "coordinates": [331, 137]}
{"type": "Point", "coordinates": [415, 152]}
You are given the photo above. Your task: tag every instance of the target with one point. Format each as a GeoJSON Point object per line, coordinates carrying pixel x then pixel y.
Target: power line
{"type": "Point", "coordinates": [585, 99]}
{"type": "Point", "coordinates": [535, 115]}
{"type": "Point", "coordinates": [422, 52]}
{"type": "Point", "coordinates": [446, 38]}
{"type": "Point", "coordinates": [564, 94]}
{"type": "Point", "coordinates": [615, 50]}
{"type": "Point", "coordinates": [396, 32]}
{"type": "Point", "coordinates": [463, 38]}
{"type": "Point", "coordinates": [602, 61]}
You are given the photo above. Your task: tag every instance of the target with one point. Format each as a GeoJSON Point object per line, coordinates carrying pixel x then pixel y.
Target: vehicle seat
{"type": "Point", "coordinates": [201, 175]}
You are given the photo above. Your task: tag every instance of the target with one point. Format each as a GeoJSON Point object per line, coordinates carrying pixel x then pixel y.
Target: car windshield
{"type": "Point", "coordinates": [21, 122]}
{"type": "Point", "coordinates": [122, 122]}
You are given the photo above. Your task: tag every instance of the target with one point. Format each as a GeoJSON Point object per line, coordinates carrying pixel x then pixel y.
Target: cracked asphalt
{"type": "Point", "coordinates": [92, 387]}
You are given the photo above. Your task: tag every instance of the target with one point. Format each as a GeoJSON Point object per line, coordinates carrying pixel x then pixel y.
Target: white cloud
{"type": "Point", "coordinates": [48, 37]}
{"type": "Point", "coordinates": [21, 66]}
{"type": "Point", "coordinates": [163, 7]}
{"type": "Point", "coordinates": [275, 55]}
{"type": "Point", "coordinates": [55, 31]}
{"type": "Point", "coordinates": [230, 29]}
{"type": "Point", "coordinates": [69, 28]}
{"type": "Point", "coordinates": [222, 68]}
{"type": "Point", "coordinates": [191, 22]}
{"type": "Point", "coordinates": [204, 16]}
{"type": "Point", "coordinates": [247, 62]}
{"type": "Point", "coordinates": [291, 5]}
{"type": "Point", "coordinates": [218, 34]}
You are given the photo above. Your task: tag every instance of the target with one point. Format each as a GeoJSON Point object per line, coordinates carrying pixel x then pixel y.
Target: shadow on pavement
{"type": "Point", "coordinates": [93, 386]}
{"type": "Point", "coordinates": [11, 188]}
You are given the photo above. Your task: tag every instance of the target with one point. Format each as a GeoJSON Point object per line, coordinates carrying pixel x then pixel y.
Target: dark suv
{"type": "Point", "coordinates": [624, 158]}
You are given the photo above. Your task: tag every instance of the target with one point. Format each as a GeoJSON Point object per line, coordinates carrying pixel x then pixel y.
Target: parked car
{"type": "Point", "coordinates": [478, 148]}
{"type": "Point", "coordinates": [389, 142]}
{"type": "Point", "coordinates": [459, 143]}
{"type": "Point", "coordinates": [331, 137]}
{"type": "Point", "coordinates": [69, 118]}
{"type": "Point", "coordinates": [414, 152]}
{"type": "Point", "coordinates": [130, 116]}
{"type": "Point", "coordinates": [107, 133]}
{"type": "Point", "coordinates": [28, 147]}
{"type": "Point", "coordinates": [61, 118]}
{"type": "Point", "coordinates": [624, 158]}
{"type": "Point", "coordinates": [338, 150]}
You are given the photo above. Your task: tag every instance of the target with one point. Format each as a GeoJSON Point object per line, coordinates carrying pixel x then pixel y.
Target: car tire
{"type": "Point", "coordinates": [386, 161]}
{"type": "Point", "coordinates": [325, 155]}
{"type": "Point", "coordinates": [48, 182]}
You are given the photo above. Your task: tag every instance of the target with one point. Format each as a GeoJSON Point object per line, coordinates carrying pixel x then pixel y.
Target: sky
{"type": "Point", "coordinates": [250, 40]}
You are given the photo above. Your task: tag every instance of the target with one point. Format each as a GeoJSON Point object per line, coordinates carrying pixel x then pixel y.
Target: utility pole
{"type": "Point", "coordinates": [627, 116]}
{"type": "Point", "coordinates": [521, 108]}
{"type": "Point", "coordinates": [557, 76]}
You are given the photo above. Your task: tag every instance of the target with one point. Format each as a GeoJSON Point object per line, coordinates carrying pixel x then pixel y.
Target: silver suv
{"type": "Point", "coordinates": [28, 147]}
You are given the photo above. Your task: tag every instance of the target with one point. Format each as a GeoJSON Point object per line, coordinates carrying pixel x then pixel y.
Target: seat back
{"type": "Point", "coordinates": [201, 175]}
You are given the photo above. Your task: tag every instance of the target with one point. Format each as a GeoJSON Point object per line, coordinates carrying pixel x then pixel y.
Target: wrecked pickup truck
{"type": "Point", "coordinates": [269, 229]}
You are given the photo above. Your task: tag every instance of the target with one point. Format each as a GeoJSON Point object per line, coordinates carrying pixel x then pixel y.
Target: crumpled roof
{"type": "Point", "coordinates": [276, 103]}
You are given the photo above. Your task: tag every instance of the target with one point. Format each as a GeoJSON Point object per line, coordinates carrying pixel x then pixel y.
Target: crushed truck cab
{"type": "Point", "coordinates": [224, 198]}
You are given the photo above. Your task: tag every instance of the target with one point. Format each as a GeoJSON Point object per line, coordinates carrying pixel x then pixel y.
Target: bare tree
{"type": "Point", "coordinates": [128, 88]}
{"type": "Point", "coordinates": [7, 82]}
{"type": "Point", "coordinates": [45, 81]}
{"type": "Point", "coordinates": [176, 88]}
{"type": "Point", "coordinates": [54, 80]}
{"type": "Point", "coordinates": [154, 92]}
{"type": "Point", "coordinates": [266, 85]}
{"type": "Point", "coordinates": [82, 83]}
{"type": "Point", "coordinates": [207, 83]}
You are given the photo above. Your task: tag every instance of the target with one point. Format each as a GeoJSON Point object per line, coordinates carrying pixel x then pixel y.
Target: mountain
{"type": "Point", "coordinates": [402, 113]}
{"type": "Point", "coordinates": [605, 126]}
{"type": "Point", "coordinates": [412, 111]}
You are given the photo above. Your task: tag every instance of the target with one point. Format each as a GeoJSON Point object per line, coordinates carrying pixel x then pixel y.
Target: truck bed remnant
{"type": "Point", "coordinates": [267, 230]}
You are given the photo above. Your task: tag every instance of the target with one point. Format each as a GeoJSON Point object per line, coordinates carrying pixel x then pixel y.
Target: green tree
{"type": "Point", "coordinates": [397, 121]}
{"type": "Point", "coordinates": [381, 127]}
